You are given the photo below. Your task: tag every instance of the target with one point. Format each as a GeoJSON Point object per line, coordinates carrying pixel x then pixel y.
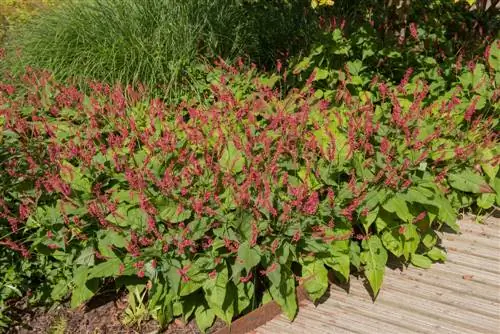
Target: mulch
{"type": "Point", "coordinates": [100, 316]}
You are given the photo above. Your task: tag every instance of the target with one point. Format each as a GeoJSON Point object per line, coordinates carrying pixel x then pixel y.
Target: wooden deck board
{"type": "Point", "coordinates": [459, 296]}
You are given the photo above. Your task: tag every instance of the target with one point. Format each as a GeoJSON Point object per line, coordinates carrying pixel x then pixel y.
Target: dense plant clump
{"type": "Point", "coordinates": [157, 42]}
{"type": "Point", "coordinates": [217, 205]}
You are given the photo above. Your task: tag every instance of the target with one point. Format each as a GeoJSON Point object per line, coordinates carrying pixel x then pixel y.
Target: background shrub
{"type": "Point", "coordinates": [158, 42]}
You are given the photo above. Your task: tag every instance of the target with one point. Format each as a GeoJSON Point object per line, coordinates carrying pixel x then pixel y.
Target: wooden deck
{"type": "Point", "coordinates": [459, 296]}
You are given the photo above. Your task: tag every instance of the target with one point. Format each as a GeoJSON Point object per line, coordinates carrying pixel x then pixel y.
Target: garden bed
{"type": "Point", "coordinates": [203, 188]}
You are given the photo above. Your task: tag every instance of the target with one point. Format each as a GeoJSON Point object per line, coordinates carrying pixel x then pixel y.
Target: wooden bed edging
{"type": "Point", "coordinates": [260, 316]}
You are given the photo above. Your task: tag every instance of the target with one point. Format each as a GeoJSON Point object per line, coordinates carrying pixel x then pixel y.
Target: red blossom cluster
{"type": "Point", "coordinates": [178, 178]}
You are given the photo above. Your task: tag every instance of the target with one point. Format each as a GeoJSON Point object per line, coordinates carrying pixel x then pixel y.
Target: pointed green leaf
{"type": "Point", "coordinates": [468, 181]}
{"type": "Point", "coordinates": [393, 241]}
{"type": "Point", "coordinates": [430, 239]}
{"type": "Point", "coordinates": [397, 205]}
{"type": "Point", "coordinates": [436, 254]}
{"type": "Point", "coordinates": [355, 254]}
{"type": "Point", "coordinates": [446, 213]}
{"type": "Point", "coordinates": [245, 295]}
{"type": "Point", "coordinates": [369, 219]}
{"type": "Point", "coordinates": [418, 195]}
{"type": "Point", "coordinates": [110, 240]}
{"type": "Point", "coordinates": [284, 294]}
{"type": "Point", "coordinates": [321, 74]}
{"type": "Point", "coordinates": [205, 318]}
{"type": "Point", "coordinates": [110, 268]}
{"type": "Point", "coordinates": [83, 289]}
{"type": "Point", "coordinates": [340, 258]}
{"type": "Point", "coordinates": [384, 220]}
{"type": "Point", "coordinates": [249, 257]}
{"type": "Point", "coordinates": [486, 201]}
{"type": "Point", "coordinates": [170, 212]}
{"type": "Point", "coordinates": [421, 261]}
{"type": "Point", "coordinates": [219, 295]}
{"type": "Point", "coordinates": [411, 240]}
{"type": "Point", "coordinates": [316, 277]}
{"type": "Point", "coordinates": [59, 291]}
{"type": "Point", "coordinates": [374, 257]}
{"type": "Point", "coordinates": [87, 257]}
{"type": "Point", "coordinates": [232, 159]}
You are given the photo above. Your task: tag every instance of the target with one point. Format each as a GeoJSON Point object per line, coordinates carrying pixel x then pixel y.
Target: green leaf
{"type": "Point", "coordinates": [384, 220]}
{"type": "Point", "coordinates": [232, 159]}
{"type": "Point", "coordinates": [282, 290]}
{"type": "Point", "coordinates": [316, 276]}
{"type": "Point", "coordinates": [303, 65]}
{"type": "Point", "coordinates": [246, 293]}
{"type": "Point", "coordinates": [418, 195]}
{"type": "Point", "coordinates": [355, 254]}
{"type": "Point", "coordinates": [374, 257]}
{"type": "Point", "coordinates": [487, 167]}
{"type": "Point", "coordinates": [87, 257]}
{"type": "Point", "coordinates": [340, 258]}
{"type": "Point", "coordinates": [127, 216]}
{"type": "Point", "coordinates": [197, 278]}
{"type": "Point", "coordinates": [393, 241]}
{"type": "Point", "coordinates": [219, 295]}
{"type": "Point", "coordinates": [83, 289]}
{"type": "Point", "coordinates": [173, 277]}
{"type": "Point", "coordinates": [59, 291]}
{"type": "Point", "coordinates": [397, 205]}
{"type": "Point", "coordinates": [205, 318]}
{"type": "Point", "coordinates": [446, 213]}
{"type": "Point", "coordinates": [494, 59]}
{"type": "Point", "coordinates": [355, 67]}
{"type": "Point", "coordinates": [486, 201]}
{"type": "Point", "coordinates": [247, 256]}
{"type": "Point", "coordinates": [421, 261]}
{"type": "Point", "coordinates": [321, 74]}
{"type": "Point", "coordinates": [189, 304]}
{"type": "Point", "coordinates": [478, 75]}
{"type": "Point", "coordinates": [369, 219]}
{"type": "Point", "coordinates": [110, 268]}
{"type": "Point", "coordinates": [109, 240]}
{"type": "Point", "coordinates": [468, 181]}
{"type": "Point", "coordinates": [429, 239]}
{"type": "Point", "coordinates": [189, 287]}
{"type": "Point", "coordinates": [496, 186]}
{"type": "Point", "coordinates": [73, 176]}
{"type": "Point", "coordinates": [126, 196]}
{"type": "Point", "coordinates": [436, 254]}
{"type": "Point", "coordinates": [165, 314]}
{"type": "Point", "coordinates": [169, 212]}
{"type": "Point", "coordinates": [367, 52]}
{"type": "Point", "coordinates": [411, 240]}
{"type": "Point", "coordinates": [266, 297]}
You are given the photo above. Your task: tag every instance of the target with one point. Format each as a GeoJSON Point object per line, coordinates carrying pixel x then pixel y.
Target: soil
{"type": "Point", "coordinates": [100, 316]}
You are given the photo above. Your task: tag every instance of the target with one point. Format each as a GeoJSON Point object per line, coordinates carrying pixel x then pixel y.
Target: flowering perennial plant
{"type": "Point", "coordinates": [220, 204]}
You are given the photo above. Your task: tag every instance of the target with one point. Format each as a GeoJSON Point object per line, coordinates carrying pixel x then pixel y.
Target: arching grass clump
{"type": "Point", "coordinates": [155, 41]}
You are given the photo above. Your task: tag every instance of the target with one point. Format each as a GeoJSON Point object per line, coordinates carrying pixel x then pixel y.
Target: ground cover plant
{"type": "Point", "coordinates": [212, 207]}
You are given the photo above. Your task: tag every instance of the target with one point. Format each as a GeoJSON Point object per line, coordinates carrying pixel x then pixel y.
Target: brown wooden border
{"type": "Point", "coordinates": [260, 316]}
